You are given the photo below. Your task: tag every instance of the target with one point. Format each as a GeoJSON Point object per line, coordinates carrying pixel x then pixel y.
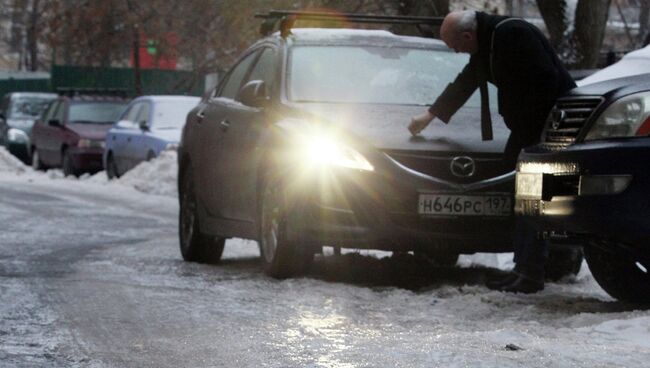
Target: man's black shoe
{"type": "Point", "coordinates": [502, 281]}
{"type": "Point", "coordinates": [523, 285]}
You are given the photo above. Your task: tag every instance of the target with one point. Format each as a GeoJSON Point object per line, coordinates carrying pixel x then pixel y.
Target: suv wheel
{"type": "Point", "coordinates": [195, 246]}
{"type": "Point", "coordinates": [620, 275]}
{"type": "Point", "coordinates": [111, 167]}
{"type": "Point", "coordinates": [563, 262]}
{"type": "Point", "coordinates": [281, 259]}
{"type": "Point", "coordinates": [68, 165]}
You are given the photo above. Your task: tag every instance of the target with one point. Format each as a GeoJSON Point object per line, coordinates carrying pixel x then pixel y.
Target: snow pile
{"type": "Point", "coordinates": [9, 163]}
{"type": "Point", "coordinates": [157, 176]}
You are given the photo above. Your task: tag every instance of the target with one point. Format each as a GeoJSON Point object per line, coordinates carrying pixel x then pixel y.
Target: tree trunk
{"type": "Point", "coordinates": [554, 14]}
{"type": "Point", "coordinates": [644, 20]}
{"type": "Point", "coordinates": [32, 36]}
{"type": "Point", "coordinates": [432, 8]}
{"type": "Point", "coordinates": [590, 22]}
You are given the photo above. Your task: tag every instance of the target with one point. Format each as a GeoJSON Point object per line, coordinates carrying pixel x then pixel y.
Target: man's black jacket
{"type": "Point", "coordinates": [524, 67]}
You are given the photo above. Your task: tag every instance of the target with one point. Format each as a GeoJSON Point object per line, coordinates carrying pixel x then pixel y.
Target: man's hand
{"type": "Point", "coordinates": [420, 122]}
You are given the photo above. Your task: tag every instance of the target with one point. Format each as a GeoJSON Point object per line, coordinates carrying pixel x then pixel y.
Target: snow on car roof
{"type": "Point", "coordinates": [633, 63]}
{"type": "Point", "coordinates": [345, 35]}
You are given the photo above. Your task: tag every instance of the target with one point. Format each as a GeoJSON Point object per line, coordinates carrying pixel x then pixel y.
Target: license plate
{"type": "Point", "coordinates": [529, 185]}
{"type": "Point", "coordinates": [464, 205]}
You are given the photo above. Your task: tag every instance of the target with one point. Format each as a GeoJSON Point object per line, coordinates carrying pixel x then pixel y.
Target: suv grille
{"type": "Point", "coordinates": [567, 118]}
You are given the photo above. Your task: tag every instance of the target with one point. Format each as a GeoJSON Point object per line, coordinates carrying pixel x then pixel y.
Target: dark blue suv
{"type": "Point", "coordinates": [589, 181]}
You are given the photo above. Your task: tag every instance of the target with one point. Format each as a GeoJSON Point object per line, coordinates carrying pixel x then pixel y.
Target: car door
{"type": "Point", "coordinates": [212, 158]}
{"type": "Point", "coordinates": [51, 136]}
{"type": "Point", "coordinates": [246, 125]}
{"type": "Point", "coordinates": [121, 134]}
{"type": "Point", "coordinates": [137, 147]}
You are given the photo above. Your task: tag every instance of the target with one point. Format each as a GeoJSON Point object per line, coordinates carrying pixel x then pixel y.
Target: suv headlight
{"type": "Point", "coordinates": [89, 143]}
{"type": "Point", "coordinates": [626, 117]}
{"type": "Point", "coordinates": [17, 136]}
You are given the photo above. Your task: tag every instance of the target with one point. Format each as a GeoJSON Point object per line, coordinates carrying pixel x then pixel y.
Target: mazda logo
{"type": "Point", "coordinates": [463, 166]}
{"type": "Point", "coordinates": [557, 117]}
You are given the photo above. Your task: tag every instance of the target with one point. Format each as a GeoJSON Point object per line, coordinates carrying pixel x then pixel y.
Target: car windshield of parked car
{"type": "Point", "coordinates": [373, 74]}
{"type": "Point", "coordinates": [96, 112]}
{"type": "Point", "coordinates": [172, 114]}
{"type": "Point", "coordinates": [27, 107]}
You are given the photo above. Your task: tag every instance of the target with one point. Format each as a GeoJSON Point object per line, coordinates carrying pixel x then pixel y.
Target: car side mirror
{"type": "Point", "coordinates": [143, 125]}
{"type": "Point", "coordinates": [54, 123]}
{"type": "Point", "coordinates": [253, 94]}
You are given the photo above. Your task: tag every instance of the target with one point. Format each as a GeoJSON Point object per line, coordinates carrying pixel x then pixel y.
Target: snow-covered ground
{"type": "Point", "coordinates": [122, 296]}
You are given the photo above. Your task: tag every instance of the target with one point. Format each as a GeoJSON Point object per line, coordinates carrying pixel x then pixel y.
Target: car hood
{"type": "Point", "coordinates": [385, 127]}
{"type": "Point", "coordinates": [22, 124]}
{"type": "Point", "coordinates": [90, 131]}
{"type": "Point", "coordinates": [169, 135]}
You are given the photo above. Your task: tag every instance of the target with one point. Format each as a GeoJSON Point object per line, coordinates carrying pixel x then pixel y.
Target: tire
{"type": "Point", "coordinates": [439, 259]}
{"type": "Point", "coordinates": [195, 246]}
{"type": "Point", "coordinates": [68, 165]}
{"type": "Point", "coordinates": [618, 273]}
{"type": "Point", "coordinates": [280, 258]}
{"type": "Point", "coordinates": [563, 262]}
{"type": "Point", "coordinates": [151, 155]}
{"type": "Point", "coordinates": [37, 164]}
{"type": "Point", "coordinates": [111, 168]}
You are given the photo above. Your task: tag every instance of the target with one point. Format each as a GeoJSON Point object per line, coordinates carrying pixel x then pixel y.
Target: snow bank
{"type": "Point", "coordinates": [157, 176]}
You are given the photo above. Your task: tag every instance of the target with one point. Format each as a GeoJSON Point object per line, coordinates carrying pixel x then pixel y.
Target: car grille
{"type": "Point", "coordinates": [439, 165]}
{"type": "Point", "coordinates": [566, 120]}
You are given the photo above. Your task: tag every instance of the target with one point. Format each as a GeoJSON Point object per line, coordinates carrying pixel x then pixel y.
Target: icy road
{"type": "Point", "coordinates": [91, 276]}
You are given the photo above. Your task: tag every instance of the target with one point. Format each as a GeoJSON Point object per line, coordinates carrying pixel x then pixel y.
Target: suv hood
{"type": "Point", "coordinates": [90, 131]}
{"type": "Point", "coordinates": [385, 127]}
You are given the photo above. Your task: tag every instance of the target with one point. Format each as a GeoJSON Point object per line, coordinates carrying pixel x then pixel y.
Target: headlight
{"type": "Point", "coordinates": [17, 136]}
{"type": "Point", "coordinates": [627, 117]}
{"type": "Point", "coordinates": [320, 150]}
{"type": "Point", "coordinates": [89, 143]}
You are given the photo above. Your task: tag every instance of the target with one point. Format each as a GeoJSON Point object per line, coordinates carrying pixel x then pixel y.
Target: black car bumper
{"type": "Point", "coordinates": [598, 189]}
{"type": "Point", "coordinates": [361, 211]}
{"type": "Point", "coordinates": [20, 150]}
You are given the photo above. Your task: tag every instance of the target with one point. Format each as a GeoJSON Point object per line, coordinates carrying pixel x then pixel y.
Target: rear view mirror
{"type": "Point", "coordinates": [143, 125]}
{"type": "Point", "coordinates": [253, 94]}
{"type": "Point", "coordinates": [54, 123]}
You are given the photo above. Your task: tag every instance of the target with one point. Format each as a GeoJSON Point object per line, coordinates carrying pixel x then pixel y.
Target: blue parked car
{"type": "Point", "coordinates": [148, 126]}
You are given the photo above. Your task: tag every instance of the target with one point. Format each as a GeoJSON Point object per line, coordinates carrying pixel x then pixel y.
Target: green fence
{"type": "Point", "coordinates": [24, 85]}
{"type": "Point", "coordinates": [154, 81]}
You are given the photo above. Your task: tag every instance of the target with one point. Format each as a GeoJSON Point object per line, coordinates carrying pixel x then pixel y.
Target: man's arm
{"type": "Point", "coordinates": [451, 99]}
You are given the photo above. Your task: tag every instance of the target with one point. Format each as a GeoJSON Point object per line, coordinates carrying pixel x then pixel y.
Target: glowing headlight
{"type": "Point", "coordinates": [17, 136]}
{"type": "Point", "coordinates": [89, 143]}
{"type": "Point", "coordinates": [627, 117]}
{"type": "Point", "coordinates": [326, 151]}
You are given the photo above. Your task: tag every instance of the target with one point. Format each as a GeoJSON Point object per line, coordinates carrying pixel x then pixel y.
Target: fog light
{"type": "Point", "coordinates": [603, 184]}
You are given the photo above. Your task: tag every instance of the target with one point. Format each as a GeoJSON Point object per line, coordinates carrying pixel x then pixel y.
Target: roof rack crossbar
{"type": "Point", "coordinates": [286, 19]}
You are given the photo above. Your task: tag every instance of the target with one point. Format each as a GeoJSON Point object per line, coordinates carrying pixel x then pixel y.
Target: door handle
{"type": "Point", "coordinates": [224, 125]}
{"type": "Point", "coordinates": [200, 115]}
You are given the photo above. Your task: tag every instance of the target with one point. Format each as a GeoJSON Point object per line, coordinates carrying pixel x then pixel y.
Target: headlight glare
{"type": "Point", "coordinates": [325, 150]}
{"type": "Point", "coordinates": [627, 117]}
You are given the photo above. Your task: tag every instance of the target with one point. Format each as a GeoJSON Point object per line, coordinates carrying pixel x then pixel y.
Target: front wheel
{"type": "Point", "coordinates": [621, 275]}
{"type": "Point", "coordinates": [195, 246]}
{"type": "Point", "coordinates": [280, 258]}
{"type": "Point", "coordinates": [111, 168]}
{"type": "Point", "coordinates": [37, 165]}
{"type": "Point", "coordinates": [68, 164]}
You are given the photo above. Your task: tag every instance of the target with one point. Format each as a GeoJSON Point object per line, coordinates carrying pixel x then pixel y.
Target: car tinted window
{"type": "Point", "coordinates": [143, 114]}
{"type": "Point", "coordinates": [373, 74]}
{"type": "Point", "coordinates": [236, 76]}
{"type": "Point", "coordinates": [132, 114]}
{"type": "Point", "coordinates": [172, 114]}
{"type": "Point", "coordinates": [264, 69]}
{"type": "Point", "coordinates": [96, 112]}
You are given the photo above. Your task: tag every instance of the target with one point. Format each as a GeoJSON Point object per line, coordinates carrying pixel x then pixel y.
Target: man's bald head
{"type": "Point", "coordinates": [458, 31]}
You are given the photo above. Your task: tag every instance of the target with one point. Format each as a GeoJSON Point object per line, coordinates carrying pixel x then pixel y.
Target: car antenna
{"type": "Point", "coordinates": [285, 20]}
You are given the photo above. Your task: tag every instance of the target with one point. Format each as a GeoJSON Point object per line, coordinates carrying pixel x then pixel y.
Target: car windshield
{"type": "Point", "coordinates": [373, 74]}
{"type": "Point", "coordinates": [172, 114]}
{"type": "Point", "coordinates": [96, 112]}
{"type": "Point", "coordinates": [28, 107]}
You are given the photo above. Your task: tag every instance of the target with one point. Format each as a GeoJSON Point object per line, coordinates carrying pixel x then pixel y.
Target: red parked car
{"type": "Point", "coordinates": [70, 133]}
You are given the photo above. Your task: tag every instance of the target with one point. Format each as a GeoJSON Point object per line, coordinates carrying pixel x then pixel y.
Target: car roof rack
{"type": "Point", "coordinates": [81, 91]}
{"type": "Point", "coordinates": [287, 18]}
